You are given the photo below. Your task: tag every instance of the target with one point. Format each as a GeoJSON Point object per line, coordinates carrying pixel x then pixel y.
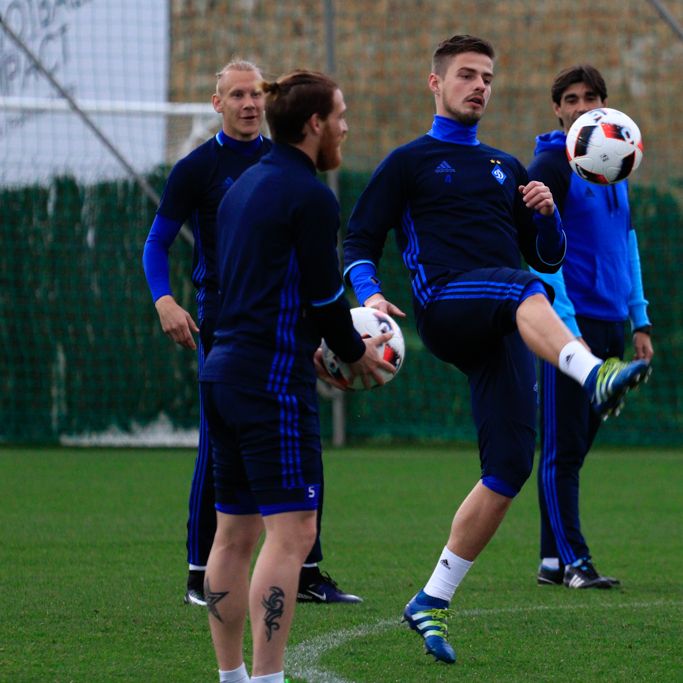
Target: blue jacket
{"type": "Point", "coordinates": [600, 277]}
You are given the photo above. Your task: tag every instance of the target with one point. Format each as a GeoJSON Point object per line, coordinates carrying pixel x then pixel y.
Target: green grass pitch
{"type": "Point", "coordinates": [93, 568]}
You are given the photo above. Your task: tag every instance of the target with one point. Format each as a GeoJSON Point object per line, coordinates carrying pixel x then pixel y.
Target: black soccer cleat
{"type": "Point", "coordinates": [194, 597]}
{"type": "Point", "coordinates": [195, 588]}
{"type": "Point", "coordinates": [320, 587]}
{"type": "Point", "coordinates": [585, 575]}
{"type": "Point", "coordinates": [549, 577]}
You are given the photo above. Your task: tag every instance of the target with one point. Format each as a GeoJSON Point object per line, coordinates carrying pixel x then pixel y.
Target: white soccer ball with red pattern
{"type": "Point", "coordinates": [604, 146]}
{"type": "Point", "coordinates": [369, 322]}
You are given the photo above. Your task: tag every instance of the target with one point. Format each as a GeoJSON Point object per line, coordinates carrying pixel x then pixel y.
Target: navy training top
{"type": "Point", "coordinates": [193, 191]}
{"type": "Point", "coordinates": [455, 206]}
{"type": "Point", "coordinates": [280, 285]}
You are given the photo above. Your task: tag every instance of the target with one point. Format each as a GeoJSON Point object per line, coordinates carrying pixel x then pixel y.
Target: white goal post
{"type": "Point", "coordinates": [204, 120]}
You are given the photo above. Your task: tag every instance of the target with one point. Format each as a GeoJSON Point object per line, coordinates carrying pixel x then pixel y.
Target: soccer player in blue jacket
{"type": "Point", "coordinates": [462, 212]}
{"type": "Point", "coordinates": [193, 192]}
{"type": "Point", "coordinates": [597, 289]}
{"type": "Point", "coordinates": [280, 292]}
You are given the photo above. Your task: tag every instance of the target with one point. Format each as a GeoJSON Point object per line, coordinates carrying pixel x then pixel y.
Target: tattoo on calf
{"type": "Point", "coordinates": [274, 605]}
{"type": "Point", "coordinates": [212, 599]}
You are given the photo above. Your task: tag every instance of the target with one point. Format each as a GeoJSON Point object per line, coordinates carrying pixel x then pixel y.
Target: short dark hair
{"type": "Point", "coordinates": [293, 99]}
{"type": "Point", "coordinates": [579, 73]}
{"type": "Point", "coordinates": [455, 45]}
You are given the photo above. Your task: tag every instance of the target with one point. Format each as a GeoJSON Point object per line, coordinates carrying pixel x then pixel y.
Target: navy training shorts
{"type": "Point", "coordinates": [266, 446]}
{"type": "Point", "coordinates": [471, 323]}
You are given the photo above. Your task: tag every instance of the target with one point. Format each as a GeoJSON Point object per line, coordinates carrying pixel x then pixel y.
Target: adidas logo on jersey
{"type": "Point", "coordinates": [444, 167]}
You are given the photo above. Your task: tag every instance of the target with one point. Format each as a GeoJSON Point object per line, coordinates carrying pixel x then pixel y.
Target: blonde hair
{"type": "Point", "coordinates": [235, 65]}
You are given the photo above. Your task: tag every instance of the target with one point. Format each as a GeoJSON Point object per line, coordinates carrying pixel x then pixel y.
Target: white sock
{"type": "Point", "coordinates": [278, 677]}
{"type": "Point", "coordinates": [238, 675]}
{"type": "Point", "coordinates": [577, 361]}
{"type": "Point", "coordinates": [450, 570]}
{"type": "Point", "coordinates": [550, 562]}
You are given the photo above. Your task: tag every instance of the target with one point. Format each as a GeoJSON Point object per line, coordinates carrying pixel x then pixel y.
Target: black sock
{"type": "Point", "coordinates": [195, 580]}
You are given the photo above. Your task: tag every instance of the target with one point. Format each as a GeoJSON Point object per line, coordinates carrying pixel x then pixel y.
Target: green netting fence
{"type": "Point", "coordinates": [82, 351]}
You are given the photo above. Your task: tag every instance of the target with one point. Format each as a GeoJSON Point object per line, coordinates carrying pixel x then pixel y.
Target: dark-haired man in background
{"type": "Point", "coordinates": [597, 289]}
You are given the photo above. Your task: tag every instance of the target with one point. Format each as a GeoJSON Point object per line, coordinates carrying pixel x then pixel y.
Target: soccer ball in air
{"type": "Point", "coordinates": [369, 322]}
{"type": "Point", "coordinates": [604, 146]}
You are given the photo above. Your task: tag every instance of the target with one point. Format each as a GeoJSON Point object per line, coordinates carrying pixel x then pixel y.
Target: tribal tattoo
{"type": "Point", "coordinates": [274, 605]}
{"type": "Point", "coordinates": [212, 599]}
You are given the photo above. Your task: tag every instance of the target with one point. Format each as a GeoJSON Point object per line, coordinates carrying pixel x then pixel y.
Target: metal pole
{"type": "Point", "coordinates": [139, 179]}
{"type": "Point", "coordinates": [668, 17]}
{"type": "Point", "coordinates": [338, 399]}
{"type": "Point", "coordinates": [331, 67]}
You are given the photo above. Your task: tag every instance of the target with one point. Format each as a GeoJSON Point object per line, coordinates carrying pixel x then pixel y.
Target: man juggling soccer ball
{"type": "Point", "coordinates": [463, 212]}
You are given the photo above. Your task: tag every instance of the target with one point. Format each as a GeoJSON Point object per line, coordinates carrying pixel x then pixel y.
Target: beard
{"type": "Point", "coordinates": [467, 119]}
{"type": "Point", "coordinates": [329, 153]}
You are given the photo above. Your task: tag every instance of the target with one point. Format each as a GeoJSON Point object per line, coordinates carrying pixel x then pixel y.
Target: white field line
{"type": "Point", "coordinates": [302, 660]}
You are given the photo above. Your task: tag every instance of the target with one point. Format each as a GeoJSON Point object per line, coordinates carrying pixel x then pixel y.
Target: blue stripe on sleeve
{"type": "Point", "coordinates": [551, 242]}
{"type": "Point", "coordinates": [637, 303]}
{"type": "Point", "coordinates": [332, 299]}
{"type": "Point", "coordinates": [363, 277]}
{"type": "Point", "coordinates": [155, 255]}
{"type": "Point", "coordinates": [357, 263]}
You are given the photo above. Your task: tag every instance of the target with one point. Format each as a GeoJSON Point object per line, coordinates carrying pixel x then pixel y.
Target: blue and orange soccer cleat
{"type": "Point", "coordinates": [609, 383]}
{"type": "Point", "coordinates": [428, 617]}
